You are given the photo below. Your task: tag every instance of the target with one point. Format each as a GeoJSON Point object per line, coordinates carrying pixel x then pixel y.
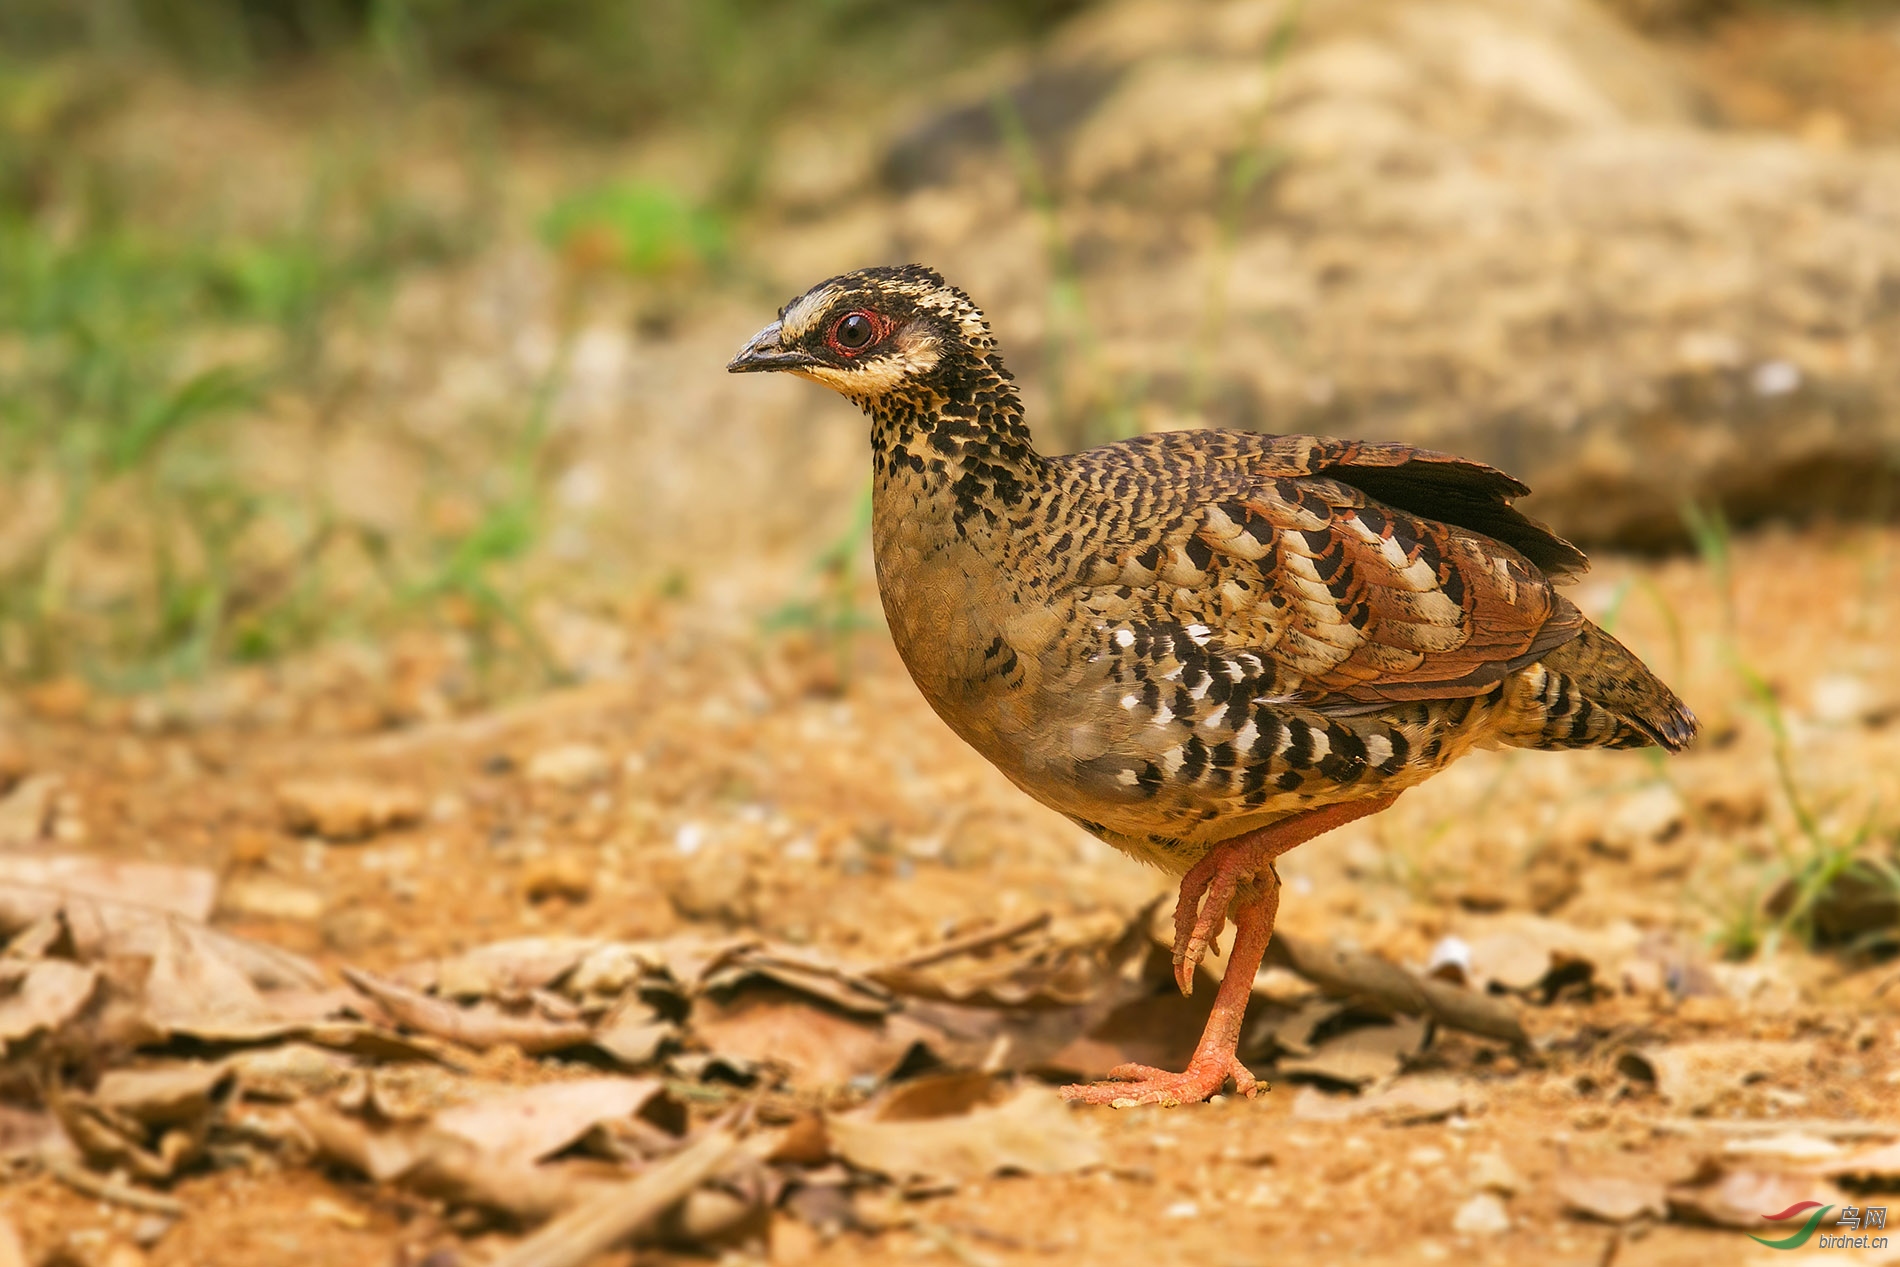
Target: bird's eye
{"type": "Point", "coordinates": [854, 332]}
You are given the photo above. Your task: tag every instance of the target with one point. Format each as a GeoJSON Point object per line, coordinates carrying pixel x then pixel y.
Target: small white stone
{"type": "Point", "coordinates": [1491, 1172]}
{"type": "Point", "coordinates": [689, 838]}
{"type": "Point", "coordinates": [572, 766]}
{"type": "Point", "coordinates": [1775, 378]}
{"type": "Point", "coordinates": [1450, 952]}
{"type": "Point", "coordinates": [1482, 1215]}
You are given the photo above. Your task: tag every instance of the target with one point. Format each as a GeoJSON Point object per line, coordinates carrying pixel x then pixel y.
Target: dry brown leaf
{"type": "Point", "coordinates": [609, 970]}
{"type": "Point", "coordinates": [530, 1123]}
{"type": "Point", "coordinates": [1877, 1165]}
{"type": "Point", "coordinates": [1424, 1098]}
{"type": "Point", "coordinates": [1369, 1053]}
{"type": "Point", "coordinates": [187, 891]}
{"type": "Point", "coordinates": [42, 996]}
{"type": "Point", "coordinates": [1033, 1132]}
{"type": "Point", "coordinates": [1785, 1146]}
{"type": "Point", "coordinates": [830, 982]}
{"type": "Point", "coordinates": [194, 988]}
{"type": "Point", "coordinates": [157, 1095]}
{"type": "Point", "coordinates": [1693, 1076]}
{"type": "Point", "coordinates": [1028, 964]}
{"type": "Point", "coordinates": [26, 812]}
{"type": "Point", "coordinates": [101, 929]}
{"type": "Point", "coordinates": [290, 1071]}
{"type": "Point", "coordinates": [479, 1027]}
{"type": "Point", "coordinates": [1292, 1032]}
{"type": "Point", "coordinates": [449, 1167]}
{"type": "Point", "coordinates": [1519, 951]}
{"type": "Point", "coordinates": [504, 968]}
{"type": "Point", "coordinates": [769, 1024]}
{"type": "Point", "coordinates": [25, 1132]}
{"type": "Point", "coordinates": [633, 1033]}
{"type": "Point", "coordinates": [1611, 1198]}
{"type": "Point", "coordinates": [12, 1252]}
{"type": "Point", "coordinates": [1742, 1197]}
{"type": "Point", "coordinates": [1156, 1029]}
{"type": "Point", "coordinates": [110, 1140]}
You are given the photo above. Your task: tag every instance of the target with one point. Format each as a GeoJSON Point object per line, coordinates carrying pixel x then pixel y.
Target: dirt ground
{"type": "Point", "coordinates": [747, 789]}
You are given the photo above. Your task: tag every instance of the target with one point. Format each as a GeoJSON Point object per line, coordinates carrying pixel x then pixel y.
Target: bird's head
{"type": "Point", "coordinates": [872, 333]}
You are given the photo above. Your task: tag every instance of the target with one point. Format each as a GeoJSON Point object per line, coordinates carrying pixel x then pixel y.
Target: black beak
{"type": "Point", "coordinates": [763, 352]}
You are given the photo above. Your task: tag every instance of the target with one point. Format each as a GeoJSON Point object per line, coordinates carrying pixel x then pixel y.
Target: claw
{"type": "Point", "coordinates": [1201, 912]}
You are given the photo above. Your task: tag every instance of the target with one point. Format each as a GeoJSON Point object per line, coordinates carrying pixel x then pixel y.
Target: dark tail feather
{"type": "Point", "coordinates": [1608, 678]}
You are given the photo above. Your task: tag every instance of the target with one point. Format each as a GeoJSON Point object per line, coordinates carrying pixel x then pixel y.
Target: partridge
{"type": "Point", "coordinates": [1203, 647]}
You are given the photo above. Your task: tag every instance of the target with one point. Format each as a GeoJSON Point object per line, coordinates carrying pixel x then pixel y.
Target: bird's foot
{"type": "Point", "coordinates": [1130, 1085]}
{"type": "Point", "coordinates": [1201, 911]}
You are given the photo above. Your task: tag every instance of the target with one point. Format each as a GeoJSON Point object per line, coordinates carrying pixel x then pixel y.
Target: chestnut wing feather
{"type": "Point", "coordinates": [1348, 602]}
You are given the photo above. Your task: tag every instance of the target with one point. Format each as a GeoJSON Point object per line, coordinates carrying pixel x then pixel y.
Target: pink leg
{"type": "Point", "coordinates": [1206, 892]}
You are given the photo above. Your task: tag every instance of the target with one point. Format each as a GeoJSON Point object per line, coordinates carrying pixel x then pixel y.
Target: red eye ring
{"type": "Point", "coordinates": [856, 332]}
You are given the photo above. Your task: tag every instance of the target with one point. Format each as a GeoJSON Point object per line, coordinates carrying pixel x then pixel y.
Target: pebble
{"type": "Point", "coordinates": [347, 808]}
{"type": "Point", "coordinates": [561, 874]}
{"type": "Point", "coordinates": [1492, 1173]}
{"type": "Point", "coordinates": [355, 928]}
{"type": "Point", "coordinates": [151, 1229]}
{"type": "Point", "coordinates": [711, 885]}
{"type": "Point", "coordinates": [267, 897]}
{"type": "Point", "coordinates": [572, 766]}
{"type": "Point", "coordinates": [1482, 1215]}
{"type": "Point", "coordinates": [26, 813]}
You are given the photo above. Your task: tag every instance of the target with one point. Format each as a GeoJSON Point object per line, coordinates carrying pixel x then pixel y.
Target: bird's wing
{"type": "Point", "coordinates": [1307, 589]}
{"type": "Point", "coordinates": [1431, 485]}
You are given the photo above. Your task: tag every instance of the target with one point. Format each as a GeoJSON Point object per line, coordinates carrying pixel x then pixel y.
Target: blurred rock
{"type": "Point", "coordinates": [1503, 229]}
{"type": "Point", "coordinates": [1491, 1172]}
{"type": "Point", "coordinates": [346, 808]}
{"type": "Point", "coordinates": [1482, 1215]}
{"type": "Point", "coordinates": [267, 897]}
{"type": "Point", "coordinates": [572, 766]}
{"type": "Point", "coordinates": [26, 814]}
{"type": "Point", "coordinates": [353, 929]}
{"type": "Point", "coordinates": [1610, 1198]}
{"type": "Point", "coordinates": [562, 874]}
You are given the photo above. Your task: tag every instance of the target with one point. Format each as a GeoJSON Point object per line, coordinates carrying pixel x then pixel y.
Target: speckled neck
{"type": "Point", "coordinates": [959, 432]}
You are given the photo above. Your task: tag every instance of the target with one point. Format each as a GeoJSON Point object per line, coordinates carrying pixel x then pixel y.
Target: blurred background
{"type": "Point", "coordinates": [326, 319]}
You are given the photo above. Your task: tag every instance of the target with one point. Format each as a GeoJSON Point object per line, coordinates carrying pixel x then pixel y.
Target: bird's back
{"type": "Point", "coordinates": [1181, 637]}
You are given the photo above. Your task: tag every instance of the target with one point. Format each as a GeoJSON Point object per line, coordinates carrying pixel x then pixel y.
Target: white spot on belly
{"type": "Point", "coordinates": [1245, 736]}
{"type": "Point", "coordinates": [1128, 778]}
{"type": "Point", "coordinates": [1124, 638]}
{"type": "Point", "coordinates": [1131, 702]}
{"type": "Point", "coordinates": [1163, 715]}
{"type": "Point", "coordinates": [1199, 633]}
{"type": "Point", "coordinates": [1172, 759]}
{"type": "Point", "coordinates": [1378, 749]}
